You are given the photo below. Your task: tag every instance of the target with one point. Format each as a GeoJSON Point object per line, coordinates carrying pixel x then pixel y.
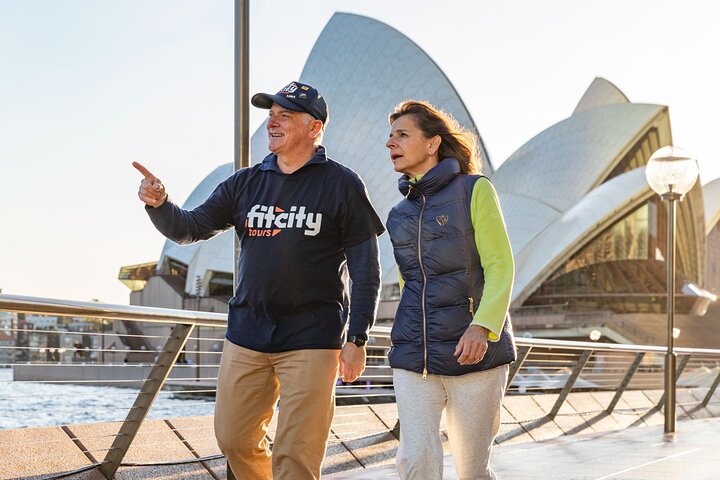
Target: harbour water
{"type": "Point", "coordinates": [30, 404]}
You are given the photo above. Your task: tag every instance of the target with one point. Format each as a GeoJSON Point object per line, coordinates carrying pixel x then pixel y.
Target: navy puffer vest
{"type": "Point", "coordinates": [433, 239]}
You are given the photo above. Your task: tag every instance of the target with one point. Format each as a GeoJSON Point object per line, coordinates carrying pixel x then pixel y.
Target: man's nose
{"type": "Point", "coordinates": [390, 143]}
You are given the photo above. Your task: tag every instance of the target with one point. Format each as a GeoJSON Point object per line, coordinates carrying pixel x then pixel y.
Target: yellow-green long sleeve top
{"type": "Point", "coordinates": [496, 258]}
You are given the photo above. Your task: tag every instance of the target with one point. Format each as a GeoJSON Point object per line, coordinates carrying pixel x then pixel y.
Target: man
{"type": "Point", "coordinates": [304, 222]}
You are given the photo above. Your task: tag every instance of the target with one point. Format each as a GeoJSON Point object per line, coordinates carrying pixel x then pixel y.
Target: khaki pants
{"type": "Point", "coordinates": [472, 404]}
{"type": "Point", "coordinates": [249, 384]}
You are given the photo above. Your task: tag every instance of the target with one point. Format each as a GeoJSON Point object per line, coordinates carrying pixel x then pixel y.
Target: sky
{"type": "Point", "coordinates": [89, 86]}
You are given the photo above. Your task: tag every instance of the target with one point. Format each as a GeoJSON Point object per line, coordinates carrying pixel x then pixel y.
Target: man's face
{"type": "Point", "coordinates": [288, 131]}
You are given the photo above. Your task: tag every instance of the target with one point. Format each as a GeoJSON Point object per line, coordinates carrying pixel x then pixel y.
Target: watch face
{"type": "Point", "coordinates": [357, 340]}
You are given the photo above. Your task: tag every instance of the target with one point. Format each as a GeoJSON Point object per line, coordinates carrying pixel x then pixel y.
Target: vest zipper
{"type": "Point", "coordinates": [422, 270]}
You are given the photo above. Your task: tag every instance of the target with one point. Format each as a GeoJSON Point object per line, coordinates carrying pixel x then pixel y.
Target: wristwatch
{"type": "Point", "coordinates": [358, 340]}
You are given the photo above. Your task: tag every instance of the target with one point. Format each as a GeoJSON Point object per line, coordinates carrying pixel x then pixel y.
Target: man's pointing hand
{"type": "Point", "coordinates": [151, 191]}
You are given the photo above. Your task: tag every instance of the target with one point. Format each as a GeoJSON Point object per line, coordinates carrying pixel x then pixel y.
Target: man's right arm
{"type": "Point", "coordinates": [186, 226]}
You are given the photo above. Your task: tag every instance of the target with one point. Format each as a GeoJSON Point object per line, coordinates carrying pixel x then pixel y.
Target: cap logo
{"type": "Point", "coordinates": [289, 88]}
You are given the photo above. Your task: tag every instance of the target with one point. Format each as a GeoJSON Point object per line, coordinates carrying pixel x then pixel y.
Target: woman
{"type": "Point", "coordinates": [451, 340]}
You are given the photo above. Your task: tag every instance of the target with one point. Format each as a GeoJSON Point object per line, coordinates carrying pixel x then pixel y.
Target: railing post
{"type": "Point", "coordinates": [582, 361]}
{"type": "Point", "coordinates": [683, 363]}
{"type": "Point", "coordinates": [515, 367]}
{"type": "Point", "coordinates": [710, 393]}
{"type": "Point", "coordinates": [152, 385]}
{"type": "Point", "coordinates": [626, 381]}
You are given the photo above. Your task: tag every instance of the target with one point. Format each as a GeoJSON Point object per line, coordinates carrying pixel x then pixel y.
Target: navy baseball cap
{"type": "Point", "coordinates": [295, 96]}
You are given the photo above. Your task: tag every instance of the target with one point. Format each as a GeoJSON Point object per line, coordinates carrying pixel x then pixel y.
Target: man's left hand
{"type": "Point", "coordinates": [472, 345]}
{"type": "Point", "coordinates": [352, 362]}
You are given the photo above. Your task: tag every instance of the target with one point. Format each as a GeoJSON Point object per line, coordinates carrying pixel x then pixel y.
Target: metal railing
{"type": "Point", "coordinates": [159, 359]}
{"type": "Point", "coordinates": [166, 362]}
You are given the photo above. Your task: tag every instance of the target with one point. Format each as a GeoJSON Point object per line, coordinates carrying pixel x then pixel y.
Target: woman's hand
{"type": "Point", "coordinates": [472, 345]}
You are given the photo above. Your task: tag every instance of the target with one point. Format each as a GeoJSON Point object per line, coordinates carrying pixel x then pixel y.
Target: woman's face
{"type": "Point", "coordinates": [410, 151]}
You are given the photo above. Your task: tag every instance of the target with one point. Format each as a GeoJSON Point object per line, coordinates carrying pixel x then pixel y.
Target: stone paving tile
{"type": "Point", "coordinates": [511, 434]}
{"type": "Point", "coordinates": [189, 471]}
{"type": "Point", "coordinates": [622, 413]}
{"type": "Point", "coordinates": [567, 418]}
{"type": "Point", "coordinates": [688, 405]}
{"type": "Point", "coordinates": [699, 393]}
{"type": "Point", "coordinates": [654, 416]}
{"type": "Point", "coordinates": [374, 450]}
{"type": "Point", "coordinates": [510, 430]}
{"type": "Point", "coordinates": [639, 403]}
{"type": "Point", "coordinates": [654, 396]}
{"type": "Point", "coordinates": [387, 413]}
{"type": "Point", "coordinates": [637, 400]}
{"type": "Point", "coordinates": [338, 459]}
{"type": "Point", "coordinates": [523, 408]}
{"type": "Point", "coordinates": [218, 467]}
{"type": "Point", "coordinates": [363, 433]}
{"type": "Point", "coordinates": [155, 442]}
{"type": "Point", "coordinates": [713, 406]}
{"type": "Point", "coordinates": [531, 417]}
{"type": "Point", "coordinates": [593, 412]}
{"type": "Point", "coordinates": [542, 429]}
{"type": "Point", "coordinates": [356, 421]}
{"type": "Point", "coordinates": [199, 433]}
{"type": "Point", "coordinates": [31, 452]}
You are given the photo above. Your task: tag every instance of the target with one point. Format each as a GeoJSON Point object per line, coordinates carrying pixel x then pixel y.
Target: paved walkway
{"type": "Point", "coordinates": [640, 453]}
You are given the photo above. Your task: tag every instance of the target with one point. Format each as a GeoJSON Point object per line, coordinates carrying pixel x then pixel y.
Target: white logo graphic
{"type": "Point", "coordinates": [290, 88]}
{"type": "Point", "coordinates": [268, 220]}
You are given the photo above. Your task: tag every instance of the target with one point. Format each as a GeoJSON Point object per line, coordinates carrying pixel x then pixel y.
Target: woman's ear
{"type": "Point", "coordinates": [434, 145]}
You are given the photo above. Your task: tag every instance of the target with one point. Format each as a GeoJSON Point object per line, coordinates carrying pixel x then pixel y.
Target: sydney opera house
{"type": "Point", "coordinates": [588, 233]}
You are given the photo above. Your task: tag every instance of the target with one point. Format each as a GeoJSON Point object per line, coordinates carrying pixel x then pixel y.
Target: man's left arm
{"type": "Point", "coordinates": [363, 261]}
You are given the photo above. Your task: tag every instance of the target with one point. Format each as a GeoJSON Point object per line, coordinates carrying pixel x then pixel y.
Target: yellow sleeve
{"type": "Point", "coordinates": [496, 258]}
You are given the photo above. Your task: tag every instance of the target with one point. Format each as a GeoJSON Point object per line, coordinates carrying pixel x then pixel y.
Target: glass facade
{"type": "Point", "coordinates": [623, 268]}
{"type": "Point", "coordinates": [221, 285]}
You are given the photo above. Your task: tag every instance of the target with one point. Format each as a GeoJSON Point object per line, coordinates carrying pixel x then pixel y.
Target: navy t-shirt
{"type": "Point", "coordinates": [293, 230]}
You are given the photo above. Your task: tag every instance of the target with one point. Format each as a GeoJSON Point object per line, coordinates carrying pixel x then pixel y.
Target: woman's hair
{"type": "Point", "coordinates": [457, 141]}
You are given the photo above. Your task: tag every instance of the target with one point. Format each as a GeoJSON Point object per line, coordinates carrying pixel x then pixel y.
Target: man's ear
{"type": "Point", "coordinates": [316, 128]}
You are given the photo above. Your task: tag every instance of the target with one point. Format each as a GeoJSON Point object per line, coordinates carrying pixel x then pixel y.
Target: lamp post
{"type": "Point", "coordinates": [671, 172]}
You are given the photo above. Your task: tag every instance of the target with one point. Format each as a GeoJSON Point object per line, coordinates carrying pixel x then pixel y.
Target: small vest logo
{"type": "Point", "coordinates": [269, 220]}
{"type": "Point", "coordinates": [442, 220]}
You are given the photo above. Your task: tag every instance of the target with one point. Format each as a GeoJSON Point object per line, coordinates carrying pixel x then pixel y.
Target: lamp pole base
{"type": "Point", "coordinates": [670, 368]}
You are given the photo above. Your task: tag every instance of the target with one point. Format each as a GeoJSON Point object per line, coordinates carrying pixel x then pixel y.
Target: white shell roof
{"type": "Point", "coordinates": [711, 199]}
{"type": "Point", "coordinates": [599, 93]}
{"type": "Point", "coordinates": [352, 65]}
{"type": "Point", "coordinates": [211, 255]}
{"type": "Point", "coordinates": [554, 170]}
{"type": "Point", "coordinates": [577, 226]}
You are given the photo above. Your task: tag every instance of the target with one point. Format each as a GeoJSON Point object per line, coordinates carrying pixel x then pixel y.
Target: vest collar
{"type": "Point", "coordinates": [433, 181]}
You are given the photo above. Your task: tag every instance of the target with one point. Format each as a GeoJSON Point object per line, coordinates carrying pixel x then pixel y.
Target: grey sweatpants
{"type": "Point", "coordinates": [472, 403]}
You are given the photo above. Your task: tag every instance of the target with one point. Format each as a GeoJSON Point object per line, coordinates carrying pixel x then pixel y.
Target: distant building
{"type": "Point", "coordinates": [587, 232]}
{"type": "Point", "coordinates": [8, 323]}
